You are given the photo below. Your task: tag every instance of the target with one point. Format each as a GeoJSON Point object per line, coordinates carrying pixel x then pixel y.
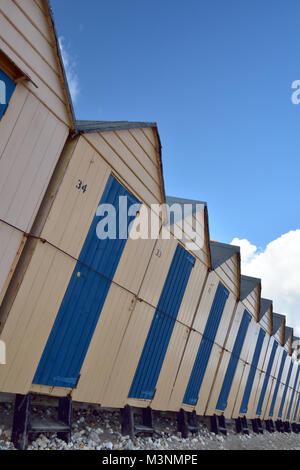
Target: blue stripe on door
{"type": "Point", "coordinates": [293, 394]}
{"type": "Point", "coordinates": [266, 379]}
{"type": "Point", "coordinates": [285, 389]}
{"type": "Point", "coordinates": [253, 367]}
{"type": "Point", "coordinates": [284, 355]}
{"type": "Point", "coordinates": [7, 87]}
{"type": "Point", "coordinates": [81, 307]}
{"type": "Point", "coordinates": [206, 344]}
{"type": "Point", "coordinates": [222, 401]}
{"type": "Point", "coordinates": [155, 348]}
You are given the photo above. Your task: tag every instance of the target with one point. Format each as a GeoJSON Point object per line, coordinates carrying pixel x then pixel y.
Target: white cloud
{"type": "Point", "coordinates": [70, 68]}
{"type": "Point", "coordinates": [278, 266]}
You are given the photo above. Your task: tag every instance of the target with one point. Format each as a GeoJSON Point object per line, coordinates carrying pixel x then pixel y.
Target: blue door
{"type": "Point", "coordinates": [81, 307]}
{"type": "Point", "coordinates": [266, 379]}
{"type": "Point", "coordinates": [206, 344]}
{"type": "Point", "coordinates": [156, 345]}
{"type": "Point", "coordinates": [252, 372]}
{"type": "Point", "coordinates": [284, 355]}
{"type": "Point", "coordinates": [7, 86]}
{"type": "Point", "coordinates": [238, 344]}
{"type": "Point", "coordinates": [285, 389]}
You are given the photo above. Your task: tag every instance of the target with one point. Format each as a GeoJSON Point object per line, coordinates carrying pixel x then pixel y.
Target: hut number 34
{"type": "Point", "coordinates": [81, 186]}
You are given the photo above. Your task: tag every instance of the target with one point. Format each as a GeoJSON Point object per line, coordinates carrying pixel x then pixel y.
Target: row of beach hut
{"type": "Point", "coordinates": [123, 323]}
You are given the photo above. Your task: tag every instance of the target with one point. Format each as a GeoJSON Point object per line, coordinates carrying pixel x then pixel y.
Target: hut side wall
{"type": "Point", "coordinates": [33, 129]}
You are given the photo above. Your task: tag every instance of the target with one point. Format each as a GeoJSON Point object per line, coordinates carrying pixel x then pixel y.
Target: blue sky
{"type": "Point", "coordinates": [216, 76]}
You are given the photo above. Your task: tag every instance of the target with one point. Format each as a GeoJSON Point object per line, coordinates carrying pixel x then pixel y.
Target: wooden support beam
{"type": "Point", "coordinates": [21, 421]}
{"type": "Point", "coordinates": [218, 424]}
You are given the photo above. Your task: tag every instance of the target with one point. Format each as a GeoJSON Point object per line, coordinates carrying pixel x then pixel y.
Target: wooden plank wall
{"type": "Point", "coordinates": [194, 339]}
{"type": "Point", "coordinates": [252, 302]}
{"type": "Point", "coordinates": [49, 270]}
{"type": "Point", "coordinates": [31, 142]}
{"type": "Point", "coordinates": [34, 128]}
{"type": "Point", "coordinates": [266, 321]}
{"type": "Point", "coordinates": [25, 37]}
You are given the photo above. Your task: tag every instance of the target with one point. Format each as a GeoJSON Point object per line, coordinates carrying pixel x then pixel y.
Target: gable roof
{"type": "Point", "coordinates": [265, 304]}
{"type": "Point", "coordinates": [221, 252]}
{"type": "Point", "coordinates": [278, 320]}
{"type": "Point", "coordinates": [89, 127]}
{"type": "Point", "coordinates": [248, 284]}
{"type": "Point", "coordinates": [288, 332]}
{"type": "Point", "coordinates": [170, 200]}
{"type": "Point", "coordinates": [61, 66]}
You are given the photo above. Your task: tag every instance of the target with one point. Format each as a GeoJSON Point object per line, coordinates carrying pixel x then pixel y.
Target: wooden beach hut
{"type": "Point", "coordinates": [36, 117]}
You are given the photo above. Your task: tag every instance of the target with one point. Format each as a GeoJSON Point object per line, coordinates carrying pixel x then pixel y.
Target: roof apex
{"type": "Point", "coordinates": [265, 304]}
{"type": "Point", "coordinates": [277, 321]}
{"type": "Point", "coordinates": [221, 252]}
{"type": "Point", "coordinates": [248, 284]}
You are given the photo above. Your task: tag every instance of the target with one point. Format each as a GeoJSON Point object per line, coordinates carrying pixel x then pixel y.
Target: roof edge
{"type": "Point", "coordinates": [248, 284]}
{"type": "Point", "coordinates": [89, 127]}
{"type": "Point", "coordinates": [61, 64]}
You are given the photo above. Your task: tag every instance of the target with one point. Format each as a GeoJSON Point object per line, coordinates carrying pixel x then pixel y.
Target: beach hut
{"type": "Point", "coordinates": [36, 117]}
{"type": "Point", "coordinates": [69, 276]}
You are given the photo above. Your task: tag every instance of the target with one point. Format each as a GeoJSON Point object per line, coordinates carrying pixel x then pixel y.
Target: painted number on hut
{"type": "Point", "coordinates": [81, 186]}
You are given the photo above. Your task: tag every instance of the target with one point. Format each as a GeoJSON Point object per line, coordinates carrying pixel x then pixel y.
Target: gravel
{"type": "Point", "coordinates": [97, 429]}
